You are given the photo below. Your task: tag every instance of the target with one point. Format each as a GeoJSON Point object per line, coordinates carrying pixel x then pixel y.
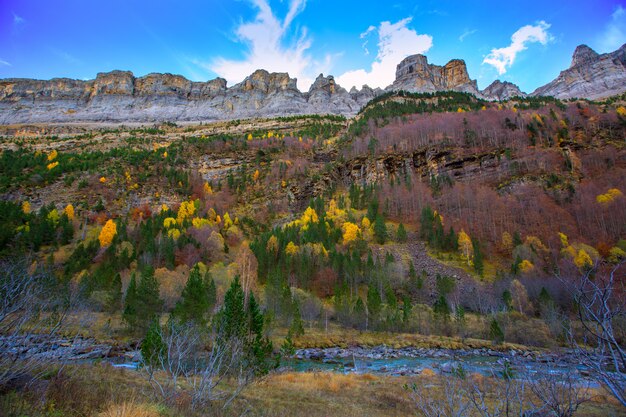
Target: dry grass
{"type": "Point", "coordinates": [345, 337]}
{"type": "Point", "coordinates": [130, 409]}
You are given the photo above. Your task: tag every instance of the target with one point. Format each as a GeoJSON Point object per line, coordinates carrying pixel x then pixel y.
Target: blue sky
{"type": "Point", "coordinates": [359, 42]}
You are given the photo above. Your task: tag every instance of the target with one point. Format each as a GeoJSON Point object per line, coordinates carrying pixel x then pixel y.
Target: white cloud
{"type": "Point", "coordinates": [17, 19]}
{"type": "Point", "coordinates": [395, 42]}
{"type": "Point", "coordinates": [266, 38]}
{"type": "Point", "coordinates": [466, 34]}
{"type": "Point", "coordinates": [614, 34]}
{"type": "Point", "coordinates": [503, 58]}
{"type": "Point", "coordinates": [4, 63]}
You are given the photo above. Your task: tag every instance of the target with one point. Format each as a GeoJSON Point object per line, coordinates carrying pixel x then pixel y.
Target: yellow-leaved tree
{"type": "Point", "coordinates": [582, 259]}
{"type": "Point", "coordinates": [186, 210]}
{"type": "Point", "coordinates": [108, 232]}
{"type": "Point", "coordinates": [526, 266]}
{"type": "Point", "coordinates": [69, 211]}
{"type": "Point", "coordinates": [207, 188]}
{"type": "Point", "coordinates": [350, 232]}
{"type": "Point", "coordinates": [255, 176]}
{"type": "Point", "coordinates": [169, 222]}
{"type": "Point", "coordinates": [26, 207]}
{"type": "Point", "coordinates": [272, 245]}
{"type": "Point", "coordinates": [465, 246]}
{"type": "Point", "coordinates": [291, 249]}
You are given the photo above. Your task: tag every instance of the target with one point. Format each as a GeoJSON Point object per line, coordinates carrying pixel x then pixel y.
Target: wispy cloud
{"type": "Point", "coordinates": [503, 58]}
{"type": "Point", "coordinates": [614, 34]}
{"type": "Point", "coordinates": [269, 47]}
{"type": "Point", "coordinates": [70, 59]}
{"type": "Point", "coordinates": [5, 63]}
{"type": "Point", "coordinates": [395, 42]}
{"type": "Point", "coordinates": [18, 20]}
{"type": "Point", "coordinates": [466, 34]}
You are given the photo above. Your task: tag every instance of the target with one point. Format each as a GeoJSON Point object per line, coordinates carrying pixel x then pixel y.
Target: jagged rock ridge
{"type": "Point", "coordinates": [591, 76]}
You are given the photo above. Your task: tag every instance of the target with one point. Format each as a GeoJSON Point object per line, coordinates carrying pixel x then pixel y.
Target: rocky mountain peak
{"type": "Point", "coordinates": [324, 83]}
{"type": "Point", "coordinates": [415, 74]}
{"type": "Point", "coordinates": [502, 90]}
{"type": "Point", "coordinates": [582, 55]}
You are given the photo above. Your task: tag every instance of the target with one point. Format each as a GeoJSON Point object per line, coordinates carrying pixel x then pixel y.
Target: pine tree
{"type": "Point", "coordinates": [114, 298]}
{"type": "Point", "coordinates": [296, 328]}
{"type": "Point", "coordinates": [233, 314]}
{"type": "Point", "coordinates": [401, 235]}
{"type": "Point", "coordinates": [149, 303]}
{"type": "Point", "coordinates": [194, 304]}
{"type": "Point", "coordinates": [374, 302]}
{"type": "Point", "coordinates": [380, 229]}
{"type": "Point", "coordinates": [130, 303]}
{"type": "Point", "coordinates": [495, 332]}
{"type": "Point", "coordinates": [441, 309]}
{"type": "Point", "coordinates": [406, 309]}
{"type": "Point", "coordinates": [211, 291]}
{"type": "Point", "coordinates": [478, 257]}
{"type": "Point", "coordinates": [152, 347]}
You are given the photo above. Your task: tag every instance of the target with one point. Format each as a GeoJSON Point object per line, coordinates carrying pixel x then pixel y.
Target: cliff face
{"type": "Point", "coordinates": [499, 90]}
{"type": "Point", "coordinates": [416, 75]}
{"type": "Point", "coordinates": [590, 75]}
{"type": "Point", "coordinates": [119, 96]}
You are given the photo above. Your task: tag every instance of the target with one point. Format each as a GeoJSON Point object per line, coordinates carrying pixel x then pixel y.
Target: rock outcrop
{"type": "Point", "coordinates": [416, 75]}
{"type": "Point", "coordinates": [500, 91]}
{"type": "Point", "coordinates": [119, 96]}
{"type": "Point", "coordinates": [591, 76]}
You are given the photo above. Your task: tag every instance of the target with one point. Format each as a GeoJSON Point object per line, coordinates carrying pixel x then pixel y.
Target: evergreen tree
{"type": "Point", "coordinates": [517, 239]}
{"type": "Point", "coordinates": [441, 309]}
{"type": "Point", "coordinates": [507, 299]}
{"type": "Point", "coordinates": [374, 302]}
{"type": "Point", "coordinates": [194, 303]}
{"type": "Point", "coordinates": [130, 303]}
{"type": "Point", "coordinates": [152, 347]}
{"type": "Point", "coordinates": [67, 229]}
{"type": "Point", "coordinates": [168, 253]}
{"type": "Point", "coordinates": [478, 257]}
{"type": "Point", "coordinates": [401, 235]}
{"type": "Point", "coordinates": [390, 297]}
{"type": "Point", "coordinates": [380, 229]}
{"type": "Point", "coordinates": [233, 317]}
{"type": "Point", "coordinates": [515, 266]}
{"type": "Point", "coordinates": [114, 298]}
{"type": "Point", "coordinates": [296, 328]}
{"type": "Point", "coordinates": [406, 309]}
{"type": "Point", "coordinates": [359, 313]}
{"type": "Point", "coordinates": [149, 303]}
{"type": "Point", "coordinates": [211, 291]}
{"type": "Point", "coordinates": [495, 332]}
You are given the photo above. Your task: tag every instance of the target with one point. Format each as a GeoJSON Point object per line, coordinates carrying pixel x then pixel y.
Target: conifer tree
{"type": "Point", "coordinates": [380, 229]}
{"type": "Point", "coordinates": [478, 257]}
{"type": "Point", "coordinates": [211, 291]}
{"type": "Point", "coordinates": [114, 298]}
{"type": "Point", "coordinates": [495, 332]}
{"type": "Point", "coordinates": [149, 303]}
{"type": "Point", "coordinates": [194, 303]}
{"type": "Point", "coordinates": [374, 302]}
{"type": "Point", "coordinates": [130, 303]}
{"type": "Point", "coordinates": [401, 235]}
{"type": "Point", "coordinates": [152, 347]}
{"type": "Point", "coordinates": [296, 328]}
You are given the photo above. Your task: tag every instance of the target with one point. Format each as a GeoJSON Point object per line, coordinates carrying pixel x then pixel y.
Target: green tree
{"type": "Point", "coordinates": [380, 229]}
{"type": "Point", "coordinates": [296, 328]}
{"type": "Point", "coordinates": [130, 303]}
{"type": "Point", "coordinates": [478, 257]}
{"type": "Point", "coordinates": [495, 332]}
{"type": "Point", "coordinates": [114, 298]}
{"type": "Point", "coordinates": [149, 303]}
{"type": "Point", "coordinates": [401, 235]}
{"type": "Point", "coordinates": [194, 303]}
{"type": "Point", "coordinates": [442, 309]}
{"type": "Point", "coordinates": [152, 347]}
{"type": "Point", "coordinates": [406, 309]}
{"type": "Point", "coordinates": [374, 302]}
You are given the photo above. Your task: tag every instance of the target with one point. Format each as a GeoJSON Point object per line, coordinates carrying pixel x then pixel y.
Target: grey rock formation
{"type": "Point", "coordinates": [590, 75]}
{"type": "Point", "coordinates": [500, 91]}
{"type": "Point", "coordinates": [118, 96]}
{"type": "Point", "coordinates": [415, 74]}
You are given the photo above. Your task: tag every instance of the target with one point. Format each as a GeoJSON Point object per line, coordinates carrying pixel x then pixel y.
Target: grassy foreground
{"type": "Point", "coordinates": [103, 391]}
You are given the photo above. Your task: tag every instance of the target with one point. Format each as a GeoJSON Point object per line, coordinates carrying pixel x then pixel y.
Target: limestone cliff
{"type": "Point", "coordinates": [500, 91]}
{"type": "Point", "coordinates": [590, 75]}
{"type": "Point", "coordinates": [415, 74]}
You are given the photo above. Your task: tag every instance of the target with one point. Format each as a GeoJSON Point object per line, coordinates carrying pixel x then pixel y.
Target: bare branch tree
{"type": "Point", "coordinates": [31, 302]}
{"type": "Point", "coordinates": [561, 393]}
{"type": "Point", "coordinates": [600, 295]}
{"type": "Point", "coordinates": [216, 373]}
